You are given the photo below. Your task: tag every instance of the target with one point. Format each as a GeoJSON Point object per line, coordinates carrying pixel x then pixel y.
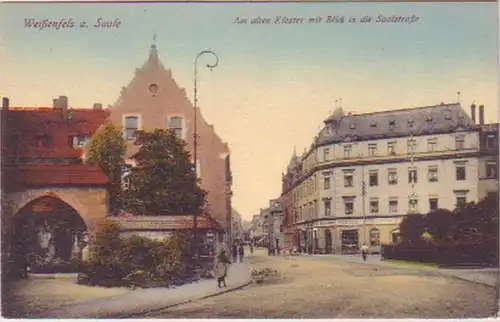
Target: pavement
{"type": "Point", "coordinates": [485, 276]}
{"type": "Point", "coordinates": [141, 301]}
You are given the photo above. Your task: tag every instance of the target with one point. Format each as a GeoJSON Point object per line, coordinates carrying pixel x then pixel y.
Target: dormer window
{"type": "Point", "coordinates": [429, 118]}
{"type": "Point", "coordinates": [352, 126]}
{"type": "Point", "coordinates": [392, 124]}
{"type": "Point", "coordinates": [373, 125]}
{"type": "Point", "coordinates": [410, 122]}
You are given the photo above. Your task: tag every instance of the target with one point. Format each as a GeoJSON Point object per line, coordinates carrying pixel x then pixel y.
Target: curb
{"type": "Point", "coordinates": [138, 314]}
{"type": "Point", "coordinates": [429, 270]}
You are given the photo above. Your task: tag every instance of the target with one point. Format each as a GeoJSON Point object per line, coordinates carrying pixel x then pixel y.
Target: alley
{"type": "Point", "coordinates": [311, 287]}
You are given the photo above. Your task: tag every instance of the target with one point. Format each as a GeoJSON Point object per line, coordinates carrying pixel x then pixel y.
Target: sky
{"type": "Point", "coordinates": [275, 83]}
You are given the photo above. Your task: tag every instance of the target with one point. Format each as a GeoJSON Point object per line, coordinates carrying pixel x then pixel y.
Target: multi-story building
{"type": "Point", "coordinates": [276, 237]}
{"type": "Point", "coordinates": [488, 162]}
{"type": "Point", "coordinates": [154, 100]}
{"type": "Point", "coordinates": [372, 169]}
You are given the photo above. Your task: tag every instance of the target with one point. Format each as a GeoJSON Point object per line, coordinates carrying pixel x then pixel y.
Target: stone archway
{"type": "Point", "coordinates": [328, 241]}
{"type": "Point", "coordinates": [48, 235]}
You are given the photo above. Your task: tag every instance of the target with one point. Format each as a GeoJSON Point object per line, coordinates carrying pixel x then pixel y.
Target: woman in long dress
{"type": "Point", "coordinates": [221, 265]}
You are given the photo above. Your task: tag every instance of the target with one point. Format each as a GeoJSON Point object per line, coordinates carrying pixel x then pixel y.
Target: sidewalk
{"type": "Point", "coordinates": [486, 276]}
{"type": "Point", "coordinates": [142, 301]}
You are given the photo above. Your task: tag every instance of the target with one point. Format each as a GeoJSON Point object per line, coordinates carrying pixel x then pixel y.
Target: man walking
{"type": "Point", "coordinates": [235, 252]}
{"type": "Point", "coordinates": [241, 252]}
{"type": "Point", "coordinates": [364, 251]}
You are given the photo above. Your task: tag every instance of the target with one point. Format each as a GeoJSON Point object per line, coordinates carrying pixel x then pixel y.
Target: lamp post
{"type": "Point", "coordinates": [195, 133]}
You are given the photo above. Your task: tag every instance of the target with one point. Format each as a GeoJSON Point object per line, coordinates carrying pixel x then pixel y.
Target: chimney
{"type": "Point", "coordinates": [473, 112]}
{"type": "Point", "coordinates": [5, 103]}
{"type": "Point", "coordinates": [97, 106]}
{"type": "Point", "coordinates": [481, 114]}
{"type": "Point", "coordinates": [62, 103]}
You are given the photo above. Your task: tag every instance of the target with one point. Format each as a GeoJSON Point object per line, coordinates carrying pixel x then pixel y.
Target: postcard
{"type": "Point", "coordinates": [249, 159]}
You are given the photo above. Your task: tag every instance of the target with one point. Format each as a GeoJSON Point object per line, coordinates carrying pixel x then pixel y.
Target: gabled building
{"type": "Point", "coordinates": [153, 99]}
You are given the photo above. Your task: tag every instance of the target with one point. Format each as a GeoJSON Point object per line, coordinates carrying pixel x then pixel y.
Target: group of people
{"type": "Point", "coordinates": [223, 261]}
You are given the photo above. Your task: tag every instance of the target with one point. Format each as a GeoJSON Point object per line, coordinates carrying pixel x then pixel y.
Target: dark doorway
{"type": "Point", "coordinates": [328, 241]}
{"type": "Point", "coordinates": [350, 241]}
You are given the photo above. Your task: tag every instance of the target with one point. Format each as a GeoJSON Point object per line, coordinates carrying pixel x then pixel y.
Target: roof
{"type": "Point", "coordinates": [131, 222]}
{"type": "Point", "coordinates": [27, 125]}
{"type": "Point", "coordinates": [443, 118]}
{"type": "Point", "coordinates": [38, 175]}
{"type": "Point", "coordinates": [491, 127]}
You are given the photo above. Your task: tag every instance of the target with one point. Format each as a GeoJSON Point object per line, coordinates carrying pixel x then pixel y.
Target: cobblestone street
{"type": "Point", "coordinates": [309, 287]}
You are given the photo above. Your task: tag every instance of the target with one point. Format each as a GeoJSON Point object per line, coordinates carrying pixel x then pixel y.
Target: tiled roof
{"type": "Point", "coordinates": [54, 175]}
{"type": "Point", "coordinates": [130, 222]}
{"type": "Point", "coordinates": [421, 120]}
{"type": "Point", "coordinates": [23, 125]}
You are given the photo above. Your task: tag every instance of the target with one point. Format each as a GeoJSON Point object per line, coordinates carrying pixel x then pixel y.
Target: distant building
{"type": "Point", "coordinates": [276, 236]}
{"type": "Point", "coordinates": [365, 172]}
{"type": "Point", "coordinates": [237, 225]}
{"type": "Point", "coordinates": [153, 99]}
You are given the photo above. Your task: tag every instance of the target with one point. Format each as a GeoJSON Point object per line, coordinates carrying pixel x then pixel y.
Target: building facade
{"type": "Point", "coordinates": [371, 170]}
{"type": "Point", "coordinates": [276, 216]}
{"type": "Point", "coordinates": [45, 181]}
{"type": "Point", "coordinates": [154, 100]}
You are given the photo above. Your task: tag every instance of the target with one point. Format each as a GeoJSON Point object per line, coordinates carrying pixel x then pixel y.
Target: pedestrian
{"type": "Point", "coordinates": [220, 269]}
{"type": "Point", "coordinates": [364, 251]}
{"type": "Point", "coordinates": [241, 252]}
{"type": "Point", "coordinates": [235, 252]}
{"type": "Point", "coordinates": [251, 249]}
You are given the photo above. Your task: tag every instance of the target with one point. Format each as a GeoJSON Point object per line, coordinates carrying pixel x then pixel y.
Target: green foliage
{"type": "Point", "coordinates": [163, 181]}
{"type": "Point", "coordinates": [136, 261]}
{"type": "Point", "coordinates": [412, 227]}
{"type": "Point", "coordinates": [439, 223]}
{"type": "Point", "coordinates": [107, 150]}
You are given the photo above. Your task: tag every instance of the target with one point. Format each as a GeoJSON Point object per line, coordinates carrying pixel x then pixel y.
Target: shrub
{"type": "Point", "coordinates": [135, 261]}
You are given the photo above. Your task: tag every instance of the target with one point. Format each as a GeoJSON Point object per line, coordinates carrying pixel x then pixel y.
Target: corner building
{"type": "Point", "coordinates": [372, 169]}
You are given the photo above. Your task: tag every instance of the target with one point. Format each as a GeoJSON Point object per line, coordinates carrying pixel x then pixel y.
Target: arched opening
{"type": "Point", "coordinates": [395, 236]}
{"type": "Point", "coordinates": [328, 241]}
{"type": "Point", "coordinates": [48, 236]}
{"type": "Point", "coordinates": [374, 237]}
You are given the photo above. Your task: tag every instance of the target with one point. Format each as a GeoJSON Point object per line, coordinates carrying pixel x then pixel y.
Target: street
{"type": "Point", "coordinates": [315, 287]}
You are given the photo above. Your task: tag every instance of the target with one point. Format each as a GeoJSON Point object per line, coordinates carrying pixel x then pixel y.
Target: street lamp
{"type": "Point", "coordinates": [195, 132]}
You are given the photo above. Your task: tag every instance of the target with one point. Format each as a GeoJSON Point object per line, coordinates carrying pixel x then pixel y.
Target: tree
{"type": "Point", "coordinates": [163, 182]}
{"type": "Point", "coordinates": [107, 150]}
{"type": "Point", "coordinates": [439, 222]}
{"type": "Point", "coordinates": [412, 227]}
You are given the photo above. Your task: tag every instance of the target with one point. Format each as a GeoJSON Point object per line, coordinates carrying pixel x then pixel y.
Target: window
{"type": "Point", "coordinates": [412, 204]}
{"type": "Point", "coordinates": [79, 140]}
{"type": "Point", "coordinates": [348, 206]}
{"type": "Point", "coordinates": [126, 170]}
{"type": "Point", "coordinates": [372, 150]}
{"type": "Point", "coordinates": [393, 205]}
{"type": "Point", "coordinates": [460, 172]}
{"type": "Point", "coordinates": [433, 204]}
{"type": "Point", "coordinates": [131, 127]}
{"type": "Point", "coordinates": [391, 148]}
{"type": "Point", "coordinates": [392, 176]}
{"type": "Point", "coordinates": [461, 201]}
{"type": "Point", "coordinates": [431, 145]}
{"type": "Point", "coordinates": [374, 206]}
{"type": "Point", "coordinates": [326, 182]}
{"type": "Point", "coordinates": [348, 179]}
{"type": "Point", "coordinates": [347, 151]}
{"type": "Point", "coordinates": [326, 154]}
{"type": "Point", "coordinates": [412, 145]}
{"type": "Point", "coordinates": [412, 175]}
{"type": "Point", "coordinates": [328, 206]}
{"type": "Point", "coordinates": [373, 178]}
{"type": "Point", "coordinates": [459, 142]}
{"type": "Point", "coordinates": [433, 173]}
{"type": "Point", "coordinates": [491, 169]}
{"type": "Point", "coordinates": [374, 237]}
{"type": "Point", "coordinates": [491, 141]}
{"type": "Point", "coordinates": [175, 125]}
